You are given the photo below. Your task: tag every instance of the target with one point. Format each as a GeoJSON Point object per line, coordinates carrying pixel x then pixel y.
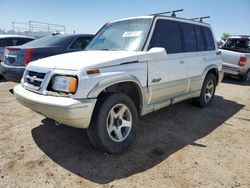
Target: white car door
{"type": "Point", "coordinates": [167, 77]}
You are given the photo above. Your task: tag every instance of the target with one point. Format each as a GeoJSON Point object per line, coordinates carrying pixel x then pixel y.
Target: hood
{"type": "Point", "coordinates": [87, 59]}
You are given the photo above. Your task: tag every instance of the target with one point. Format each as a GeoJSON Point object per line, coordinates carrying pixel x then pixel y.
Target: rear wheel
{"type": "Point", "coordinates": [113, 124]}
{"type": "Point", "coordinates": [207, 92]}
{"type": "Point", "coordinates": [246, 77]}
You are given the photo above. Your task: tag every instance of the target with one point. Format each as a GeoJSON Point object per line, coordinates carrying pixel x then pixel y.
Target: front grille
{"type": "Point", "coordinates": [34, 79]}
{"type": "Point", "coordinates": [34, 83]}
{"type": "Point", "coordinates": [37, 74]}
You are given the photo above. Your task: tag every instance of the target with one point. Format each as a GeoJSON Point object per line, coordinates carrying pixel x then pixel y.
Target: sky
{"type": "Point", "coordinates": [88, 16]}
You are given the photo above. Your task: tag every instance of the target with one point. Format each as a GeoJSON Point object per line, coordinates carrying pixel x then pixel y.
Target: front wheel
{"type": "Point", "coordinates": [207, 93]}
{"type": "Point", "coordinates": [113, 123]}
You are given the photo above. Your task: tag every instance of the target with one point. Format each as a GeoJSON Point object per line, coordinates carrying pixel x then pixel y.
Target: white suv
{"type": "Point", "coordinates": [132, 67]}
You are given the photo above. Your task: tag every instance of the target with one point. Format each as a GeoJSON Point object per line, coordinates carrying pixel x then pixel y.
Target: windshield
{"type": "Point", "coordinates": [238, 45]}
{"type": "Point", "coordinates": [126, 35]}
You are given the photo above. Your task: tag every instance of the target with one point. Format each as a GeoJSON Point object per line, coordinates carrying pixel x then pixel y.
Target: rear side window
{"type": "Point", "coordinates": [167, 34]}
{"type": "Point", "coordinates": [199, 38]}
{"type": "Point", "coordinates": [189, 38]}
{"type": "Point", "coordinates": [208, 38]}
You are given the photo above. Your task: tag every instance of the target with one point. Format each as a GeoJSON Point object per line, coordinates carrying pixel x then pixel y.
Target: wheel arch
{"type": "Point", "coordinates": [126, 84]}
{"type": "Point", "coordinates": [213, 69]}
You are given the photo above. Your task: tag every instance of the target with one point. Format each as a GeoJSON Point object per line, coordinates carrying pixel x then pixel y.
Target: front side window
{"type": "Point", "coordinates": [126, 35]}
{"type": "Point", "coordinates": [189, 38]}
{"type": "Point", "coordinates": [167, 34]}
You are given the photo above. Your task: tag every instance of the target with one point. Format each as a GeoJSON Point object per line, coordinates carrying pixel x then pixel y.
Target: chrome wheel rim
{"type": "Point", "coordinates": [209, 91]}
{"type": "Point", "coordinates": [119, 122]}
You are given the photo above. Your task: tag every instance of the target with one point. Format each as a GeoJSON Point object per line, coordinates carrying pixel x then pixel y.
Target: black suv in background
{"type": "Point", "coordinates": [16, 58]}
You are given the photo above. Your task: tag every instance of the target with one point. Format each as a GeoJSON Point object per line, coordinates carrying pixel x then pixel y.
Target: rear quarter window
{"type": "Point", "coordinates": [208, 38]}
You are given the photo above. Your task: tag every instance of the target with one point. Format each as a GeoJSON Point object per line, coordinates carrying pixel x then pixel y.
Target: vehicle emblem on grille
{"type": "Point", "coordinates": [33, 78]}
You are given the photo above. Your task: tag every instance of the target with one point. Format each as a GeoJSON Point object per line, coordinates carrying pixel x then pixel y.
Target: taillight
{"type": "Point", "coordinates": [28, 56]}
{"type": "Point", "coordinates": [242, 61]}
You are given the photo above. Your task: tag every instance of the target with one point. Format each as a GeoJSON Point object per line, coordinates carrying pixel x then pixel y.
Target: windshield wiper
{"type": "Point", "coordinates": [104, 49]}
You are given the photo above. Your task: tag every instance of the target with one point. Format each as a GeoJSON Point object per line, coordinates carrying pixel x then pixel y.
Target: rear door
{"type": "Point", "coordinates": [201, 56]}
{"type": "Point", "coordinates": [167, 78]}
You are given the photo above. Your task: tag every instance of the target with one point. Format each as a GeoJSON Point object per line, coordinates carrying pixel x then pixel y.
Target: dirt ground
{"type": "Point", "coordinates": [179, 146]}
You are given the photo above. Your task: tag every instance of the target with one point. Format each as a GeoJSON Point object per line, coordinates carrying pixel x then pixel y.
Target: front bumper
{"type": "Point", "coordinates": [12, 73]}
{"type": "Point", "coordinates": [68, 111]}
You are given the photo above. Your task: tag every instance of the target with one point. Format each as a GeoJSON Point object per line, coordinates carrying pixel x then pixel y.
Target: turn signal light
{"type": "Point", "coordinates": [94, 71]}
{"type": "Point", "coordinates": [73, 85]}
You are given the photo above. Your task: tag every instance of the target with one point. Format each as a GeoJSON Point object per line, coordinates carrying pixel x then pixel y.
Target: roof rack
{"type": "Point", "coordinates": [200, 18]}
{"type": "Point", "coordinates": [168, 12]}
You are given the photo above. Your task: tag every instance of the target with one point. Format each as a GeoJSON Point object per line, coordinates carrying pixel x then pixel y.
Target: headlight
{"type": "Point", "coordinates": [66, 84]}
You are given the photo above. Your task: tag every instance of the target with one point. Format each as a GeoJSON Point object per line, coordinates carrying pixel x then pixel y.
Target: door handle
{"type": "Point", "coordinates": [181, 62]}
{"type": "Point", "coordinates": [155, 80]}
{"type": "Point", "coordinates": [218, 53]}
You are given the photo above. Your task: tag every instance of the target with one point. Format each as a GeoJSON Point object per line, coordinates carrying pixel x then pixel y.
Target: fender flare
{"type": "Point", "coordinates": [100, 86]}
{"type": "Point", "coordinates": [208, 68]}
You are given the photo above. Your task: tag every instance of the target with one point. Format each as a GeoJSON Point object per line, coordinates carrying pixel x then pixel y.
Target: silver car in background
{"type": "Point", "coordinates": [236, 56]}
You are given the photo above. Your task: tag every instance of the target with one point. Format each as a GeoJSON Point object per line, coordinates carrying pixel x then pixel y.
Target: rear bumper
{"type": "Point", "coordinates": [12, 73]}
{"type": "Point", "coordinates": [234, 69]}
{"type": "Point", "coordinates": [68, 111]}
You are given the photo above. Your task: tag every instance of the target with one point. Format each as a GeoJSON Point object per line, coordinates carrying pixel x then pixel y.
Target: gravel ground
{"type": "Point", "coordinates": [179, 146]}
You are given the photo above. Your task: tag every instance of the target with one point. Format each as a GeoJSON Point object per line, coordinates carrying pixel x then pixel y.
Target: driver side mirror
{"type": "Point", "coordinates": [157, 53]}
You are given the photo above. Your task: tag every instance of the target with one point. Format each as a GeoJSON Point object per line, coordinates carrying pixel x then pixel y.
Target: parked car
{"type": "Point", "coordinates": [236, 57]}
{"type": "Point", "coordinates": [132, 67]}
{"type": "Point", "coordinates": [12, 40]}
{"type": "Point", "coordinates": [18, 57]}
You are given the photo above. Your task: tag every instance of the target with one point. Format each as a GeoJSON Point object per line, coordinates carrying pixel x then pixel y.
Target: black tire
{"type": "Point", "coordinates": [202, 101]}
{"type": "Point", "coordinates": [98, 133]}
{"type": "Point", "coordinates": [246, 77]}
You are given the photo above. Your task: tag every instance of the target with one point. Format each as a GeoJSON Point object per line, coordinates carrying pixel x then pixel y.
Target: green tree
{"type": "Point", "coordinates": [225, 36]}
